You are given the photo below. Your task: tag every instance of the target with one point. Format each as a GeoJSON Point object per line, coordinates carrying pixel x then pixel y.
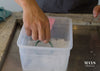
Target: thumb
{"type": "Point", "coordinates": [96, 11]}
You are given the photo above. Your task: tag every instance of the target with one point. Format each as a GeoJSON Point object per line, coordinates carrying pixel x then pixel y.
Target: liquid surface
{"type": "Point", "coordinates": [57, 43]}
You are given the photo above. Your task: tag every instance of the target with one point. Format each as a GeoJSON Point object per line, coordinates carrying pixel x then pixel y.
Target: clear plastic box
{"type": "Point", "coordinates": [40, 58]}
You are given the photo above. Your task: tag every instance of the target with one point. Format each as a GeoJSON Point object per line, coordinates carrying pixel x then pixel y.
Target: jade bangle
{"type": "Point", "coordinates": [40, 41]}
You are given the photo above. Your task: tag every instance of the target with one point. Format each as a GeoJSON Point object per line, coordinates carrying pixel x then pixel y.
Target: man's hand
{"type": "Point", "coordinates": [35, 21]}
{"type": "Point", "coordinates": [96, 11]}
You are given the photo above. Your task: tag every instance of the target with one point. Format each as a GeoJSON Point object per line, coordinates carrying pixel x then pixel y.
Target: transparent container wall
{"type": "Point", "coordinates": [42, 57]}
{"type": "Point", "coordinates": [48, 62]}
{"type": "Point", "coordinates": [60, 35]}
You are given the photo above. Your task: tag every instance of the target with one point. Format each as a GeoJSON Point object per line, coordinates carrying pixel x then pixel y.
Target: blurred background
{"type": "Point", "coordinates": [12, 6]}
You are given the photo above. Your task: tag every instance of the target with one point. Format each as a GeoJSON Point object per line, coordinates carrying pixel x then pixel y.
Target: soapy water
{"type": "Point", "coordinates": [57, 43]}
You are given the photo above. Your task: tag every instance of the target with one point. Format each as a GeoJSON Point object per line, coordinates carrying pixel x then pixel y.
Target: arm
{"type": "Point", "coordinates": [35, 21]}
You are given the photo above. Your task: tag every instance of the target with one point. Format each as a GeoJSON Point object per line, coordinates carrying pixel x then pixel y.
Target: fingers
{"type": "Point", "coordinates": [47, 34]}
{"type": "Point", "coordinates": [28, 32]}
{"type": "Point", "coordinates": [44, 32]}
{"type": "Point", "coordinates": [27, 29]}
{"type": "Point", "coordinates": [38, 31]}
{"type": "Point", "coordinates": [96, 11]}
{"type": "Point", "coordinates": [41, 32]}
{"type": "Point", "coordinates": [34, 32]}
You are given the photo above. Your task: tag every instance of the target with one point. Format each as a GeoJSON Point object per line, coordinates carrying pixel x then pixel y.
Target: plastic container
{"type": "Point", "coordinates": [40, 58]}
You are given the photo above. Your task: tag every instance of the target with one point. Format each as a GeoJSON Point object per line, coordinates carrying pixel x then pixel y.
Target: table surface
{"type": "Point", "coordinates": [86, 49]}
{"type": "Point", "coordinates": [7, 29]}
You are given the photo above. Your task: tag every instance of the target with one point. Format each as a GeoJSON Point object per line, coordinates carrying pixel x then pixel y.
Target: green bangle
{"type": "Point", "coordinates": [40, 41]}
